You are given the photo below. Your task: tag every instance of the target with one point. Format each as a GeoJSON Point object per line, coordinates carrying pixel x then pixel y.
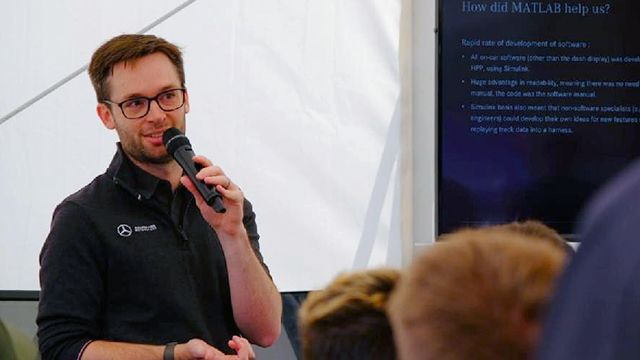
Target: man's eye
{"type": "Point", "coordinates": [134, 103]}
{"type": "Point", "coordinates": [168, 95]}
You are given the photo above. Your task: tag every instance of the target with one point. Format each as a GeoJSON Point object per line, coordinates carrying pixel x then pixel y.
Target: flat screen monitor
{"type": "Point", "coordinates": [538, 106]}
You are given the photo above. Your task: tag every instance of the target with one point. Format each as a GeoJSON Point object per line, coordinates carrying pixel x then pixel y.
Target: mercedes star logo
{"type": "Point", "coordinates": [124, 230]}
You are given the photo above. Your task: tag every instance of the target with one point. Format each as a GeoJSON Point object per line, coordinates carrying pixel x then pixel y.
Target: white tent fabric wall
{"type": "Point", "coordinates": [294, 99]}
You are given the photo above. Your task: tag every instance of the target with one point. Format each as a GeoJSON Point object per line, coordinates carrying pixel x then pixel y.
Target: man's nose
{"type": "Point", "coordinates": [155, 112]}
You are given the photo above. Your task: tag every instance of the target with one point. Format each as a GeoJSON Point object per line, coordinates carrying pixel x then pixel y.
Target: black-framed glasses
{"type": "Point", "coordinates": [138, 107]}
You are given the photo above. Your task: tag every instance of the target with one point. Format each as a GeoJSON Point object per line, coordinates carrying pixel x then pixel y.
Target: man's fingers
{"type": "Point", "coordinates": [212, 174]}
{"type": "Point", "coordinates": [199, 159]}
{"type": "Point", "coordinates": [242, 347]}
{"type": "Point", "coordinates": [211, 170]}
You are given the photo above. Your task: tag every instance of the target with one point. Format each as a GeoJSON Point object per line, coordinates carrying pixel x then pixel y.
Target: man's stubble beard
{"type": "Point", "coordinates": [139, 154]}
{"type": "Point", "coordinates": [142, 157]}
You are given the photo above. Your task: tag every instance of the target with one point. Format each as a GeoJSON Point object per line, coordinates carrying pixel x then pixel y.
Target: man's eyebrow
{"type": "Point", "coordinates": [162, 89]}
{"type": "Point", "coordinates": [132, 96]}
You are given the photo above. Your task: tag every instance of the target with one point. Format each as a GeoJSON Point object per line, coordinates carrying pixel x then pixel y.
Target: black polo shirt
{"type": "Point", "coordinates": [128, 260]}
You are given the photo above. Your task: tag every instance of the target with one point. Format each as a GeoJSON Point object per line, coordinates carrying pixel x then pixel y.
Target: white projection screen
{"type": "Point", "coordinates": [295, 100]}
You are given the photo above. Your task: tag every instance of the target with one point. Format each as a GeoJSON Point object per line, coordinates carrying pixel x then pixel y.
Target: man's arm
{"type": "Point", "coordinates": [195, 349]}
{"type": "Point", "coordinates": [71, 287]}
{"type": "Point", "coordinates": [107, 350]}
{"type": "Point", "coordinates": [257, 305]}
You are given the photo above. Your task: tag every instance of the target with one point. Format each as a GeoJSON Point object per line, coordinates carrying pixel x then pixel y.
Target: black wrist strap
{"type": "Point", "coordinates": [168, 351]}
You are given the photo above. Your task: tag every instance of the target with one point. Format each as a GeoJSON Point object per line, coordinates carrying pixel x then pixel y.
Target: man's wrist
{"type": "Point", "coordinates": [169, 349]}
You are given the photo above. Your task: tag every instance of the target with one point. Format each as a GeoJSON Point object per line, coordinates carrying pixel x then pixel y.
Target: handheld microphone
{"type": "Point", "coordinates": [179, 147]}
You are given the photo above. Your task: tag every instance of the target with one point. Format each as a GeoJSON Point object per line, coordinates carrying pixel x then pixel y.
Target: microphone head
{"type": "Point", "coordinates": [174, 139]}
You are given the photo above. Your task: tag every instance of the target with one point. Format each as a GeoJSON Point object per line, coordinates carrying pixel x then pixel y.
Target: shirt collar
{"type": "Point", "coordinates": [133, 178]}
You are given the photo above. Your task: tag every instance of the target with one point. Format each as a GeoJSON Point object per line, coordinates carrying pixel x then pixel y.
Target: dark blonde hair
{"type": "Point", "coordinates": [478, 295]}
{"type": "Point", "coordinates": [347, 319]}
{"type": "Point", "coordinates": [533, 229]}
{"type": "Point", "coordinates": [128, 47]}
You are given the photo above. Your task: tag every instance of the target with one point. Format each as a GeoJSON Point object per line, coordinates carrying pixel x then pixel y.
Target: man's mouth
{"type": "Point", "coordinates": [155, 137]}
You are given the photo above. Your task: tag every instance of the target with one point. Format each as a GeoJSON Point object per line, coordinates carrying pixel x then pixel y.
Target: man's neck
{"type": "Point", "coordinates": [170, 171]}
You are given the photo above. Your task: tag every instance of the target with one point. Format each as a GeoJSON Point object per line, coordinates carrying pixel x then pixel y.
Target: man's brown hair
{"type": "Point", "coordinates": [478, 295]}
{"type": "Point", "coordinates": [347, 319]}
{"type": "Point", "coordinates": [128, 47]}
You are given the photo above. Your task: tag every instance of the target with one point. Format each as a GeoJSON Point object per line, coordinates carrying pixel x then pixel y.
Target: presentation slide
{"type": "Point", "coordinates": [539, 104]}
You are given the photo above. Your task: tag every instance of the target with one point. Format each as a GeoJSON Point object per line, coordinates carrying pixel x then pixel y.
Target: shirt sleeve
{"type": "Point", "coordinates": [249, 220]}
{"type": "Point", "coordinates": [71, 281]}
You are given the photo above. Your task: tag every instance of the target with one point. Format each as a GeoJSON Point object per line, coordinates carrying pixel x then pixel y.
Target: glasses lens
{"type": "Point", "coordinates": [171, 100]}
{"type": "Point", "coordinates": [135, 108]}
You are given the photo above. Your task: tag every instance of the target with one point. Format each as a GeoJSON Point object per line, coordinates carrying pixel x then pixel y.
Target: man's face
{"type": "Point", "coordinates": [148, 76]}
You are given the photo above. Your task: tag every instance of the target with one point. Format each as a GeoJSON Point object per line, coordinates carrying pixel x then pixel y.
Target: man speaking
{"type": "Point", "coordinates": [137, 265]}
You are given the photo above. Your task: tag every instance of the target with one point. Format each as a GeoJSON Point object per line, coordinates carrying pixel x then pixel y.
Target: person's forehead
{"type": "Point", "coordinates": [143, 76]}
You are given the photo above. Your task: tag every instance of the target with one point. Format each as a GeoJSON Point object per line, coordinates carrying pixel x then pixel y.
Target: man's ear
{"type": "Point", "coordinates": [186, 102]}
{"type": "Point", "coordinates": [104, 113]}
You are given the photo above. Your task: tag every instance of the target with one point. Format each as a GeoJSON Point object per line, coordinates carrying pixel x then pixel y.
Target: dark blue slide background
{"type": "Point", "coordinates": [539, 104]}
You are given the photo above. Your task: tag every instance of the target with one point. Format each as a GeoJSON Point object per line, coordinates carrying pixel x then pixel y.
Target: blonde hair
{"type": "Point", "coordinates": [347, 319]}
{"type": "Point", "coordinates": [534, 229]}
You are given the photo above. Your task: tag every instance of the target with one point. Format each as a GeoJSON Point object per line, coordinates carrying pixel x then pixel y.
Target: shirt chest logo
{"type": "Point", "coordinates": [125, 230]}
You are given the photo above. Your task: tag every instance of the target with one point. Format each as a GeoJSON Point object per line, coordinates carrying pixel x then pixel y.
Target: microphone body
{"type": "Point", "coordinates": [179, 147]}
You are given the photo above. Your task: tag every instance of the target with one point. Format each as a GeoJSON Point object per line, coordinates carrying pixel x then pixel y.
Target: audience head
{"type": "Point", "coordinates": [347, 319]}
{"type": "Point", "coordinates": [536, 231]}
{"type": "Point", "coordinates": [480, 294]}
